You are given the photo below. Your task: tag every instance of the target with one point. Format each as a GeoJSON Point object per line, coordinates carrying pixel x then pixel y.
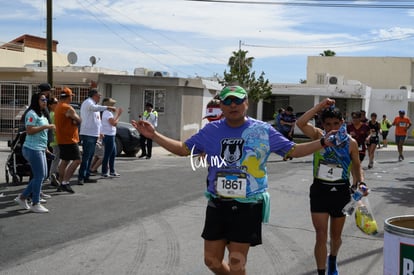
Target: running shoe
{"type": "Point", "coordinates": [115, 175]}
{"type": "Point", "coordinates": [54, 180]}
{"type": "Point", "coordinates": [332, 267]}
{"type": "Point", "coordinates": [67, 188]}
{"type": "Point", "coordinates": [45, 196]}
{"type": "Point", "coordinates": [38, 208]}
{"type": "Point", "coordinates": [22, 203]}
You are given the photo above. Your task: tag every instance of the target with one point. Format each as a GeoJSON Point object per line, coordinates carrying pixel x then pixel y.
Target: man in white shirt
{"type": "Point", "coordinates": [90, 128]}
{"type": "Point", "coordinates": [151, 116]}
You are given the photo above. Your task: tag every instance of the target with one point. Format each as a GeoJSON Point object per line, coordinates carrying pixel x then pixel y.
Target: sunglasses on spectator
{"type": "Point", "coordinates": [43, 99]}
{"type": "Point", "coordinates": [236, 100]}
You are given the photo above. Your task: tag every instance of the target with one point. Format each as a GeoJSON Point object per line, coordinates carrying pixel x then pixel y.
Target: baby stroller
{"type": "Point", "coordinates": [16, 165]}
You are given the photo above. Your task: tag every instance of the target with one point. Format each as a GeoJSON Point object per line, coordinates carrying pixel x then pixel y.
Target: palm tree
{"type": "Point", "coordinates": [240, 66]}
{"type": "Point", "coordinates": [328, 53]}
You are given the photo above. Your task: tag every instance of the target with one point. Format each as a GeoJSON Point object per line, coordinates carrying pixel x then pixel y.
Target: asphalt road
{"type": "Point", "coordinates": [149, 221]}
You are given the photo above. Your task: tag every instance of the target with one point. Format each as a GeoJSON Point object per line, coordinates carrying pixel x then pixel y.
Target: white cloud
{"type": "Point", "coordinates": [198, 36]}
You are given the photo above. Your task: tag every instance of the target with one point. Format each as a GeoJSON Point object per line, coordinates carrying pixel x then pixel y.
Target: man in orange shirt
{"type": "Point", "coordinates": [401, 123]}
{"type": "Point", "coordinates": [67, 136]}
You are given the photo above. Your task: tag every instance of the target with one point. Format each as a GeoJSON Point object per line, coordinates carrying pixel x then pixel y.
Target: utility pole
{"type": "Point", "coordinates": [240, 56]}
{"type": "Point", "coordinates": [49, 43]}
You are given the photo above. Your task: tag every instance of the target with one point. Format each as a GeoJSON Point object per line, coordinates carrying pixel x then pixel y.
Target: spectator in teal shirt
{"type": "Point", "coordinates": [34, 151]}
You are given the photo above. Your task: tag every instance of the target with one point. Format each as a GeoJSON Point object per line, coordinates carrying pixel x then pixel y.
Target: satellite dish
{"type": "Point", "coordinates": [72, 58]}
{"type": "Point", "coordinates": [92, 59]}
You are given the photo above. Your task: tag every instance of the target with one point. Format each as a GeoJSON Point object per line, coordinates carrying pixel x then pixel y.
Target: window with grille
{"type": "Point", "coordinates": [157, 98]}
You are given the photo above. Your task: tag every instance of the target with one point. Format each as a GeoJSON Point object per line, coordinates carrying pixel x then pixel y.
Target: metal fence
{"type": "Point", "coordinates": [15, 98]}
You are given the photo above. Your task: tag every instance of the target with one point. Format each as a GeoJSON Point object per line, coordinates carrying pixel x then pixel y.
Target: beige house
{"type": "Point", "coordinates": [28, 51]}
{"type": "Point", "coordinates": [376, 84]}
{"type": "Point", "coordinates": [180, 102]}
{"type": "Point", "coordinates": [376, 72]}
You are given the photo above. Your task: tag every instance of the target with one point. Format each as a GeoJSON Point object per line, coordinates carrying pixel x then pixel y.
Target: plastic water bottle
{"type": "Point", "coordinates": [355, 197]}
{"type": "Point", "coordinates": [339, 137]}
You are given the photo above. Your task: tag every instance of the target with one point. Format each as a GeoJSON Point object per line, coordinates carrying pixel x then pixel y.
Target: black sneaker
{"type": "Point", "coordinates": [142, 156]}
{"type": "Point", "coordinates": [54, 180]}
{"type": "Point", "coordinates": [93, 173]}
{"type": "Point", "coordinates": [67, 188]}
{"type": "Point", "coordinates": [90, 181]}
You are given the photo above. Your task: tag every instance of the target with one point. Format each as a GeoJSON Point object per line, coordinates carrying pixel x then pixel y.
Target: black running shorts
{"type": "Point", "coordinates": [69, 151]}
{"type": "Point", "coordinates": [233, 221]}
{"type": "Point", "coordinates": [329, 197]}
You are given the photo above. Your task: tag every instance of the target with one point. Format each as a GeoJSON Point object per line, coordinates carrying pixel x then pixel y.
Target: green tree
{"type": "Point", "coordinates": [240, 74]}
{"type": "Point", "coordinates": [328, 53]}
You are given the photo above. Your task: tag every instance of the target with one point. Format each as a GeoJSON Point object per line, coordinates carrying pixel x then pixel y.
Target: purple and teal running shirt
{"type": "Point", "coordinates": [237, 156]}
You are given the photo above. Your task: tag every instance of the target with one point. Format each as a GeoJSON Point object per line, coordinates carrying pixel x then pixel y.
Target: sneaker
{"type": "Point", "coordinates": [42, 200]}
{"type": "Point", "coordinates": [90, 181]}
{"type": "Point", "coordinates": [332, 268]}
{"type": "Point", "coordinates": [38, 208]}
{"type": "Point", "coordinates": [105, 176]}
{"type": "Point", "coordinates": [115, 175]}
{"type": "Point", "coordinates": [54, 180]}
{"type": "Point", "coordinates": [45, 196]}
{"type": "Point", "coordinates": [22, 203]}
{"type": "Point", "coordinates": [400, 158]}
{"type": "Point", "coordinates": [142, 156]}
{"type": "Point", "coordinates": [67, 188]}
{"type": "Point", "coordinates": [80, 182]}
{"type": "Point", "coordinates": [147, 157]}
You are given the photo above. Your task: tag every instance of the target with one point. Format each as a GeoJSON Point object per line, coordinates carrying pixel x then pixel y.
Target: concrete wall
{"type": "Point", "coordinates": [376, 72]}
{"type": "Point", "coordinates": [123, 99]}
{"type": "Point", "coordinates": [185, 101]}
{"type": "Point", "coordinates": [28, 56]}
{"type": "Point", "coordinates": [389, 102]}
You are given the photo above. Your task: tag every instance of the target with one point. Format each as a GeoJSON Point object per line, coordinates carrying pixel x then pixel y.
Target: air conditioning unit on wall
{"type": "Point", "coordinates": [158, 73]}
{"type": "Point", "coordinates": [334, 79]}
{"type": "Point", "coordinates": [406, 87]}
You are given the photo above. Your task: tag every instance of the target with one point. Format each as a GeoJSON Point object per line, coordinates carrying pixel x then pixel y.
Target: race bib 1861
{"type": "Point", "coordinates": [231, 185]}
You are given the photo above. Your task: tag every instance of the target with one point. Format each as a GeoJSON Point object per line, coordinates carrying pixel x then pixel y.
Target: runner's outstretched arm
{"type": "Point", "coordinates": [174, 146]}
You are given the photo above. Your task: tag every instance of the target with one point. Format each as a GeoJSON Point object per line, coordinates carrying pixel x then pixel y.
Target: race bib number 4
{"type": "Point", "coordinates": [329, 172]}
{"type": "Point", "coordinates": [231, 185]}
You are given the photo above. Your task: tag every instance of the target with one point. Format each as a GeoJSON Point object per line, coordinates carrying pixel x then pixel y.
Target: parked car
{"type": "Point", "coordinates": [126, 139]}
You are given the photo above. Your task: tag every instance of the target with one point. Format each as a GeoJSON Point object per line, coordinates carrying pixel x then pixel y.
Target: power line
{"type": "Point", "coordinates": [124, 39]}
{"type": "Point", "coordinates": [152, 42]}
{"type": "Point", "coordinates": [127, 41]}
{"type": "Point", "coordinates": [332, 46]}
{"type": "Point", "coordinates": [323, 4]}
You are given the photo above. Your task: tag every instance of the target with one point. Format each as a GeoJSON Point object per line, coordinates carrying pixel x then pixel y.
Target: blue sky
{"type": "Point", "coordinates": [195, 38]}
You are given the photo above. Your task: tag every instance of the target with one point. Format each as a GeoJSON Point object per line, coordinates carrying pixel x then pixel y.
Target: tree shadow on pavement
{"type": "Point", "coordinates": [399, 194]}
